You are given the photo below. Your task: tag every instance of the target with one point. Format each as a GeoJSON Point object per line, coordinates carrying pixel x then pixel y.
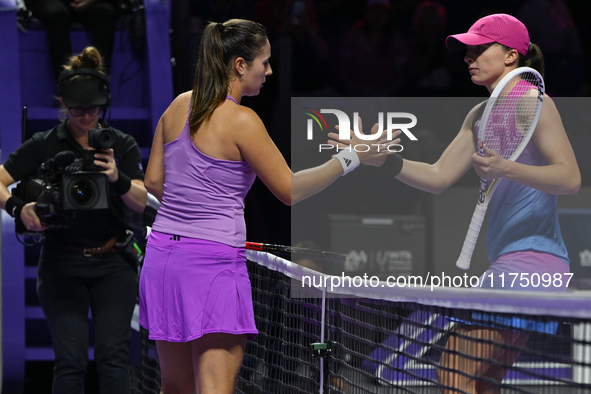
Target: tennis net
{"type": "Point", "coordinates": [407, 340]}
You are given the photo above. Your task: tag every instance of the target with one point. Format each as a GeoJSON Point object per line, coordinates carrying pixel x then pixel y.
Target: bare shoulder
{"type": "Point", "coordinates": [246, 117]}
{"type": "Point", "coordinates": [474, 112]}
{"type": "Point", "coordinates": [549, 103]}
{"type": "Point", "coordinates": [175, 117]}
{"type": "Point", "coordinates": [181, 103]}
{"type": "Point", "coordinates": [549, 117]}
{"type": "Point", "coordinates": [241, 121]}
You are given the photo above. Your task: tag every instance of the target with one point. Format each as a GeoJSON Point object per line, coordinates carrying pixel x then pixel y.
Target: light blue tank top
{"type": "Point", "coordinates": [203, 196]}
{"type": "Point", "coordinates": [522, 218]}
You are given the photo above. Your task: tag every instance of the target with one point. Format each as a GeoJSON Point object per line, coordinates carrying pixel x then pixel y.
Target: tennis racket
{"type": "Point", "coordinates": [507, 124]}
{"type": "Point", "coordinates": [294, 250]}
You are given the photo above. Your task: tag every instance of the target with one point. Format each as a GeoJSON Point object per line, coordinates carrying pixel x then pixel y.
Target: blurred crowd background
{"type": "Point", "coordinates": [373, 48]}
{"type": "Point", "coordinates": [386, 47]}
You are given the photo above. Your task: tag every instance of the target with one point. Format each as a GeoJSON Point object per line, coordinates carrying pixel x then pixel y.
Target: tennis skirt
{"type": "Point", "coordinates": [532, 264]}
{"type": "Point", "coordinates": [191, 287]}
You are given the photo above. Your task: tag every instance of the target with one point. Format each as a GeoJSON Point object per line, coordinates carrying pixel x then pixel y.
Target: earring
{"type": "Point", "coordinates": [241, 75]}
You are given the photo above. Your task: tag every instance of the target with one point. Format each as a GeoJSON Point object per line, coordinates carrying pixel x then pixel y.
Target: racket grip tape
{"type": "Point", "coordinates": [254, 246]}
{"type": "Point", "coordinates": [471, 237]}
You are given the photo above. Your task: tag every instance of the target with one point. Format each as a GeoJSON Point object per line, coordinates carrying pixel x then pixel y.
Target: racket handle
{"type": "Point", "coordinates": [471, 237]}
{"type": "Point", "coordinates": [254, 246]}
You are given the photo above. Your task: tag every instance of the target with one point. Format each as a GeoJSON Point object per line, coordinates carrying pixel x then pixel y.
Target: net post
{"type": "Point", "coordinates": [582, 352]}
{"type": "Point", "coordinates": [322, 325]}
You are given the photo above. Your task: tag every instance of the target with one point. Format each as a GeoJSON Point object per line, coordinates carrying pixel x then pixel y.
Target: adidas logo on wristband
{"type": "Point", "coordinates": [348, 159]}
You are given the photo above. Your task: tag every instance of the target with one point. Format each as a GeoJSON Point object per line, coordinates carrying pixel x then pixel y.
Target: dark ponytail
{"type": "Point", "coordinates": [533, 59]}
{"type": "Point", "coordinates": [221, 44]}
{"type": "Point", "coordinates": [211, 77]}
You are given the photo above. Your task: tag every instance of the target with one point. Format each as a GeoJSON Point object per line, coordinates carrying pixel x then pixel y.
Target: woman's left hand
{"type": "Point", "coordinates": [106, 161]}
{"type": "Point", "coordinates": [491, 165]}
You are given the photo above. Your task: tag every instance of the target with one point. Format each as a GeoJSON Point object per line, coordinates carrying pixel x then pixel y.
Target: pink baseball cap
{"type": "Point", "coordinates": [502, 28]}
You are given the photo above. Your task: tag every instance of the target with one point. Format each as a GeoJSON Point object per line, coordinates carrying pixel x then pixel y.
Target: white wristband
{"type": "Point", "coordinates": [348, 159]}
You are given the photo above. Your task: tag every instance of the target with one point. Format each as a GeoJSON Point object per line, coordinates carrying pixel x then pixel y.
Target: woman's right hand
{"type": "Point", "coordinates": [30, 219]}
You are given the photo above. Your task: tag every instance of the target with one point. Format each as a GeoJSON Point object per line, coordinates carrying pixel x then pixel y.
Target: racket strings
{"type": "Point", "coordinates": [513, 116]}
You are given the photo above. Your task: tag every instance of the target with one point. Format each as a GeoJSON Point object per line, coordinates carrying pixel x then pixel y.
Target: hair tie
{"type": "Point", "coordinates": [529, 52]}
{"type": "Point", "coordinates": [220, 26]}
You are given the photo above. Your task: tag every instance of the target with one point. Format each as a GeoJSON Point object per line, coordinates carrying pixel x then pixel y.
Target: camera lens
{"type": "Point", "coordinates": [82, 192]}
{"type": "Point", "coordinates": [105, 139]}
{"type": "Point", "coordinates": [101, 138]}
{"type": "Point", "coordinates": [85, 191]}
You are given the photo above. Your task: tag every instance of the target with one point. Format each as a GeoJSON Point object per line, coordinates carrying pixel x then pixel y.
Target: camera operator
{"type": "Point", "coordinates": [80, 266]}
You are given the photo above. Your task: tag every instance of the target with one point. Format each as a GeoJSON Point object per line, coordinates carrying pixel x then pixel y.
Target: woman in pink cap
{"type": "Point", "coordinates": [524, 234]}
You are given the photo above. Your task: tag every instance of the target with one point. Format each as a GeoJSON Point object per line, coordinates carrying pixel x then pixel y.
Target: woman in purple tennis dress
{"type": "Point", "coordinates": [195, 294]}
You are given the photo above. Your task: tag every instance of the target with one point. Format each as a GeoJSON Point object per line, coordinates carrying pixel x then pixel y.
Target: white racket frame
{"type": "Point", "coordinates": [487, 190]}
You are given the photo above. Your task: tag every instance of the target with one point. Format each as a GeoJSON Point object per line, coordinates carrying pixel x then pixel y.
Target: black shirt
{"type": "Point", "coordinates": [90, 228]}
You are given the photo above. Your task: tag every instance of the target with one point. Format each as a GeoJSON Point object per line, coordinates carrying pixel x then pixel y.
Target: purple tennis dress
{"type": "Point", "coordinates": [194, 279]}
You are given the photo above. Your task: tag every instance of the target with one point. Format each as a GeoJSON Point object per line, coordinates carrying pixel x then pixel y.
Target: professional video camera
{"type": "Point", "coordinates": [66, 184]}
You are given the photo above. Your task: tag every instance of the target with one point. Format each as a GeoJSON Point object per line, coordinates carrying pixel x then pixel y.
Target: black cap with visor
{"type": "Point", "coordinates": [84, 92]}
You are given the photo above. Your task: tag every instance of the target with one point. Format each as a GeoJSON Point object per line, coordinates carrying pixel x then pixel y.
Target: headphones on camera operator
{"type": "Point", "coordinates": [85, 93]}
{"type": "Point", "coordinates": [69, 184]}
